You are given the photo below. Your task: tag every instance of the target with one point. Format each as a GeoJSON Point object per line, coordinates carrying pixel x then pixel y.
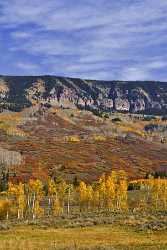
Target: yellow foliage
{"type": "Point", "coordinates": [4, 208]}
{"type": "Point", "coordinates": [86, 195]}
{"type": "Point", "coordinates": [57, 208]}
{"type": "Point", "coordinates": [127, 129]}
{"type": "Point", "coordinates": [36, 187]}
{"type": "Point", "coordinates": [113, 190]}
{"type": "Point", "coordinates": [107, 194]}
{"type": "Point", "coordinates": [9, 123]}
{"type": "Point", "coordinates": [38, 211]}
{"type": "Point", "coordinates": [36, 193]}
{"type": "Point", "coordinates": [19, 202]}
{"type": "Point", "coordinates": [155, 191]}
{"type": "Point", "coordinates": [82, 192]}
{"type": "Point", "coordinates": [73, 138]}
{"type": "Point", "coordinates": [99, 138]}
{"type": "Point", "coordinates": [15, 132]}
{"type": "Point", "coordinates": [52, 190]}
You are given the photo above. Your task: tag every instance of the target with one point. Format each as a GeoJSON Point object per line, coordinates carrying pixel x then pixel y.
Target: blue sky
{"type": "Point", "coordinates": [95, 39]}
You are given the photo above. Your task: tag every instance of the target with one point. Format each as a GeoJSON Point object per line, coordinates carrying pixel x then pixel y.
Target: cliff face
{"type": "Point", "coordinates": [135, 97]}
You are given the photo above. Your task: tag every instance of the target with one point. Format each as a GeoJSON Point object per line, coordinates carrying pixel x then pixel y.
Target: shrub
{"type": "Point", "coordinates": [164, 118]}
{"type": "Point", "coordinates": [106, 116]}
{"type": "Point", "coordinates": [4, 208]}
{"type": "Point", "coordinates": [73, 138]}
{"type": "Point", "coordinates": [149, 118]}
{"type": "Point", "coordinates": [117, 119]}
{"type": "Point", "coordinates": [155, 127]}
{"type": "Point", "coordinates": [99, 138]}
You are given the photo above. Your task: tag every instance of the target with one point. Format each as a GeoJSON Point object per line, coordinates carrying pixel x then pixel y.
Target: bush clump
{"type": "Point", "coordinates": [117, 119]}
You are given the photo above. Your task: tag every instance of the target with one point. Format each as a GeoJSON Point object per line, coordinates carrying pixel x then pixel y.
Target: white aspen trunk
{"type": "Point", "coordinates": [18, 214]}
{"type": "Point", "coordinates": [33, 216]}
{"type": "Point", "coordinates": [28, 202]}
{"type": "Point", "coordinates": [33, 206]}
{"type": "Point", "coordinates": [7, 215]}
{"type": "Point", "coordinates": [68, 204]}
{"type": "Point", "coordinates": [49, 201]}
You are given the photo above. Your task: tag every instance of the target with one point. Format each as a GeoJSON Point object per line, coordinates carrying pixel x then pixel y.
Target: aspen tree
{"type": "Point", "coordinates": [21, 200]}
{"type": "Point", "coordinates": [52, 193]}
{"type": "Point", "coordinates": [55, 191]}
{"type": "Point", "coordinates": [12, 193]}
{"type": "Point", "coordinates": [82, 194]}
{"type": "Point", "coordinates": [70, 191]}
{"type": "Point", "coordinates": [155, 193]}
{"type": "Point", "coordinates": [36, 189]}
{"type": "Point", "coordinates": [165, 195]}
{"type": "Point", "coordinates": [110, 192]}
{"type": "Point", "coordinates": [96, 198]}
{"type": "Point", "coordinates": [149, 189]}
{"type": "Point", "coordinates": [28, 195]}
{"type": "Point", "coordinates": [162, 193]}
{"type": "Point", "coordinates": [123, 194]}
{"type": "Point", "coordinates": [90, 195]}
{"type": "Point", "coordinates": [62, 191]}
{"type": "Point", "coordinates": [144, 199]}
{"type": "Point", "coordinates": [115, 188]}
{"type": "Point", "coordinates": [57, 208]}
{"type": "Point", "coordinates": [4, 208]}
{"type": "Point", "coordinates": [102, 191]}
{"type": "Point", "coordinates": [38, 211]}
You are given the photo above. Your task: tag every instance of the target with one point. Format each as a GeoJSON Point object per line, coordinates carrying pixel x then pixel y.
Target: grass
{"type": "Point", "coordinates": [96, 237]}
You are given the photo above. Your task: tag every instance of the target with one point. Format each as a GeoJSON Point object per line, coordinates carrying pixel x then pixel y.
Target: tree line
{"type": "Point", "coordinates": [57, 197]}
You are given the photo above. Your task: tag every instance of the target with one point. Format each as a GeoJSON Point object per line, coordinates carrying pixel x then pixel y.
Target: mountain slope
{"type": "Point", "coordinates": [18, 92]}
{"type": "Point", "coordinates": [73, 143]}
{"type": "Point", "coordinates": [48, 127]}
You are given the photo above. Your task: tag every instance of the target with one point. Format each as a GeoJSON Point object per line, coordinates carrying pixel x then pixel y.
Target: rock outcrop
{"type": "Point", "coordinates": [135, 97]}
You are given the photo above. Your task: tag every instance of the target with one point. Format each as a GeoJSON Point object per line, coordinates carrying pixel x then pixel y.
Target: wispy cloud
{"type": "Point", "coordinates": [132, 73]}
{"type": "Point", "coordinates": [102, 39]}
{"type": "Point", "coordinates": [26, 66]}
{"type": "Point", "coordinates": [21, 35]}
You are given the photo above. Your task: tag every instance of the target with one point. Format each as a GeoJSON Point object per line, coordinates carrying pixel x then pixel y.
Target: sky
{"type": "Point", "coordinates": [91, 39]}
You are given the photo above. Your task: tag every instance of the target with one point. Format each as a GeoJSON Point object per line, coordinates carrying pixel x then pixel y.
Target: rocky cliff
{"type": "Point", "coordinates": [17, 92]}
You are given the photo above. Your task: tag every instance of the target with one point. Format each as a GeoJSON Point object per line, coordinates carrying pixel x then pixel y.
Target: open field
{"type": "Point", "coordinates": [96, 237]}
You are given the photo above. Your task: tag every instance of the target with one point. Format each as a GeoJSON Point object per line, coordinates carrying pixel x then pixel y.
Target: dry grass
{"type": "Point", "coordinates": [97, 237]}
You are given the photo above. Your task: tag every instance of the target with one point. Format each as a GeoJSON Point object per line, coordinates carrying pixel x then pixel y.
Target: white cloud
{"type": "Point", "coordinates": [133, 73]}
{"type": "Point", "coordinates": [27, 67]}
{"type": "Point", "coordinates": [61, 15]}
{"type": "Point", "coordinates": [156, 65]}
{"type": "Point", "coordinates": [102, 38]}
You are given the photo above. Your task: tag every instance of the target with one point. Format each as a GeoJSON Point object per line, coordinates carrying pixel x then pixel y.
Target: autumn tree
{"type": "Point", "coordinates": [122, 188]}
{"type": "Point", "coordinates": [70, 189]}
{"type": "Point", "coordinates": [62, 193]}
{"type": "Point", "coordinates": [102, 191]}
{"type": "Point", "coordinates": [110, 192]}
{"type": "Point", "coordinates": [36, 195]}
{"type": "Point", "coordinates": [17, 194]}
{"type": "Point", "coordinates": [52, 194]}
{"type": "Point", "coordinates": [82, 191]}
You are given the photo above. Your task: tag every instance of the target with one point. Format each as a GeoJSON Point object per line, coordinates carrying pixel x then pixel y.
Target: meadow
{"type": "Point", "coordinates": [96, 237]}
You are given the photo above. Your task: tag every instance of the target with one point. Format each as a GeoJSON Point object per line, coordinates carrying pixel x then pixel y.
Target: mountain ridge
{"type": "Point", "coordinates": [147, 97]}
{"type": "Point", "coordinates": [79, 78]}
